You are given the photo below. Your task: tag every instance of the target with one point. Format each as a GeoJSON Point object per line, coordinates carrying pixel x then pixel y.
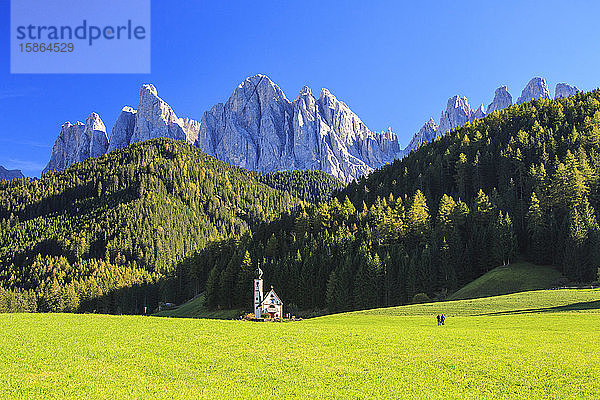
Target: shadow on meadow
{"type": "Point", "coordinates": [581, 306]}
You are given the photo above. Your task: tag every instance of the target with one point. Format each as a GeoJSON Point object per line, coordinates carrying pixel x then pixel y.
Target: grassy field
{"type": "Point", "coordinates": [195, 309]}
{"type": "Point", "coordinates": [517, 277]}
{"type": "Point", "coordinates": [527, 345]}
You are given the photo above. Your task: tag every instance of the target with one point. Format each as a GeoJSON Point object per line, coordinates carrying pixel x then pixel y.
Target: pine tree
{"type": "Point", "coordinates": [505, 243]}
{"type": "Point", "coordinates": [418, 216]}
{"type": "Point", "coordinates": [538, 231]}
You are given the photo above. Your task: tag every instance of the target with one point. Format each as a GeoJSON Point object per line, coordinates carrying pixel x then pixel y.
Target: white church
{"type": "Point", "coordinates": [269, 305]}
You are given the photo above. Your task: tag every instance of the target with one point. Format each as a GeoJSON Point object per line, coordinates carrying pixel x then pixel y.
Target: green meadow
{"type": "Point", "coordinates": [541, 344]}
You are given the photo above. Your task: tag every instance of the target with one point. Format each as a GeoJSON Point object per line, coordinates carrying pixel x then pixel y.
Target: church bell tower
{"type": "Point", "coordinates": [258, 293]}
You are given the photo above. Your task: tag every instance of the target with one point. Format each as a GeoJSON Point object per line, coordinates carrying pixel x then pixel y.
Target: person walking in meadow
{"type": "Point", "coordinates": [439, 319]}
{"type": "Point", "coordinates": [442, 319]}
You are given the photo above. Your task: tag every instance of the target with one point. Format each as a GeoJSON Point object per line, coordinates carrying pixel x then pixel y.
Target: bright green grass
{"type": "Point", "coordinates": [195, 309]}
{"type": "Point", "coordinates": [541, 301]}
{"type": "Point", "coordinates": [393, 353]}
{"type": "Point", "coordinates": [517, 277]}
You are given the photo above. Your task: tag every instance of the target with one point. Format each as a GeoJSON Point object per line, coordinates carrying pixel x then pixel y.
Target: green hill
{"type": "Point", "coordinates": [116, 233]}
{"type": "Point", "coordinates": [536, 301]}
{"type": "Point", "coordinates": [517, 277]}
{"type": "Point", "coordinates": [310, 186]}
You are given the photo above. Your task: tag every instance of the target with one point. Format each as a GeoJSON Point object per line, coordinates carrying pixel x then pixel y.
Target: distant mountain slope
{"type": "Point", "coordinates": [130, 217]}
{"type": "Point", "coordinates": [6, 174]}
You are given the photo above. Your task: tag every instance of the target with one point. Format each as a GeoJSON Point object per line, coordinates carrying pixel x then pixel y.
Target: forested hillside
{"type": "Point", "coordinates": [522, 182]}
{"type": "Point", "coordinates": [75, 240]}
{"type": "Point", "coordinates": [161, 221]}
{"type": "Point", "coordinates": [311, 186]}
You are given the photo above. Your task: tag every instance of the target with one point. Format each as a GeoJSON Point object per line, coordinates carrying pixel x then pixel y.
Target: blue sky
{"type": "Point", "coordinates": [394, 63]}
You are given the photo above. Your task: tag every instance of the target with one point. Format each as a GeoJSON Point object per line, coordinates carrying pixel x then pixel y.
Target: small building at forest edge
{"type": "Point", "coordinates": [270, 304]}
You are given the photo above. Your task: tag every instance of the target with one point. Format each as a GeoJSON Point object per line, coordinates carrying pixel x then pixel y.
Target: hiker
{"type": "Point", "coordinates": [442, 319]}
{"type": "Point", "coordinates": [439, 319]}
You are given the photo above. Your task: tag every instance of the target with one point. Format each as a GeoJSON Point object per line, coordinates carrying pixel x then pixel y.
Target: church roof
{"type": "Point", "coordinates": [272, 298]}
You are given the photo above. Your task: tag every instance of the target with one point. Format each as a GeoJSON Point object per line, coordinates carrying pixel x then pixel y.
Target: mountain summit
{"type": "Point", "coordinates": [257, 128]}
{"type": "Point", "coordinates": [458, 112]}
{"type": "Point", "coordinates": [260, 129]}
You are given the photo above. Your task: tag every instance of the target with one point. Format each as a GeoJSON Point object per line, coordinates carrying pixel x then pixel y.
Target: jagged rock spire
{"type": "Point", "coordinates": [536, 88]}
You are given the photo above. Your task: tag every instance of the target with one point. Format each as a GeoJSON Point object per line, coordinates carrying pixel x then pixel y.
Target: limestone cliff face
{"type": "Point", "coordinates": [155, 119]}
{"type": "Point", "coordinates": [78, 142]}
{"type": "Point", "coordinates": [427, 133]}
{"type": "Point", "coordinates": [252, 129]}
{"type": "Point", "coordinates": [260, 129]}
{"type": "Point", "coordinates": [123, 129]}
{"type": "Point", "coordinates": [536, 88]}
{"type": "Point", "coordinates": [502, 100]}
{"type": "Point", "coordinates": [8, 174]}
{"type": "Point", "coordinates": [565, 90]}
{"type": "Point", "coordinates": [458, 113]}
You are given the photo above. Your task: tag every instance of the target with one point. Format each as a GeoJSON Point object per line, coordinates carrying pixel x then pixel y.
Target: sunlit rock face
{"type": "Point", "coordinates": [537, 88]}
{"type": "Point", "coordinates": [260, 129]}
{"type": "Point", "coordinates": [458, 112]}
{"type": "Point", "coordinates": [155, 119]}
{"type": "Point", "coordinates": [565, 90]}
{"type": "Point", "coordinates": [502, 100]}
{"type": "Point", "coordinates": [78, 142]}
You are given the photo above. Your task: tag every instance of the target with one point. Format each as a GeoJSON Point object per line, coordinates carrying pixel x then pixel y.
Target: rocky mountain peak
{"type": "Point", "coordinates": [536, 88]}
{"type": "Point", "coordinates": [155, 118]}
{"type": "Point", "coordinates": [149, 90]}
{"type": "Point", "coordinates": [479, 113]}
{"type": "Point", "coordinates": [78, 142]}
{"type": "Point", "coordinates": [502, 100]}
{"type": "Point", "coordinates": [123, 129]}
{"type": "Point", "coordinates": [305, 91]}
{"type": "Point", "coordinates": [95, 131]}
{"type": "Point", "coordinates": [258, 128]}
{"type": "Point", "coordinates": [565, 90]}
{"type": "Point", "coordinates": [458, 112]}
{"type": "Point", "coordinates": [427, 133]}
{"type": "Point", "coordinates": [8, 174]}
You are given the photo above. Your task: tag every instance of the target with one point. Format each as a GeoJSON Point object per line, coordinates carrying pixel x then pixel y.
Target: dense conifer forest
{"type": "Point", "coordinates": [75, 240]}
{"type": "Point", "coordinates": [519, 183]}
{"type": "Point", "coordinates": [161, 221]}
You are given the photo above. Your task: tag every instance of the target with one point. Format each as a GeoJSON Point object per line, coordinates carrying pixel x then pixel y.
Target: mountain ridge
{"type": "Point", "coordinates": [9, 174]}
{"type": "Point", "coordinates": [258, 128]}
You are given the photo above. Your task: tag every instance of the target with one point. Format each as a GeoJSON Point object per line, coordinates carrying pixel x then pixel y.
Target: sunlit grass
{"type": "Point", "coordinates": [391, 353]}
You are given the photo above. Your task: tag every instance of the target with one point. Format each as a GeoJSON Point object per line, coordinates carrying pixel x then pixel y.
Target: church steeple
{"type": "Point", "coordinates": [258, 293]}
